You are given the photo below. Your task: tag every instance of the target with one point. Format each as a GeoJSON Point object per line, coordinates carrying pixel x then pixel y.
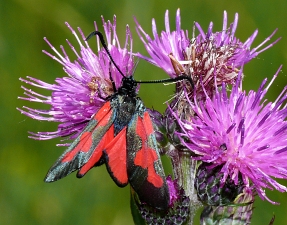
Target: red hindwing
{"type": "Point", "coordinates": [116, 152]}
{"type": "Point", "coordinates": [126, 143]}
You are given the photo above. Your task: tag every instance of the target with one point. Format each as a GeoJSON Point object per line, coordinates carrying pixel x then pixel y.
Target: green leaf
{"type": "Point", "coordinates": [138, 220]}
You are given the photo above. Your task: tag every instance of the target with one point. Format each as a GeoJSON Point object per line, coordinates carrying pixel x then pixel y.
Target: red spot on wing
{"type": "Point", "coordinates": [84, 145]}
{"type": "Point", "coordinates": [117, 157]}
{"type": "Point", "coordinates": [102, 111]}
{"type": "Point", "coordinates": [147, 124]}
{"type": "Point", "coordinates": [97, 152]}
{"type": "Point", "coordinates": [146, 156]}
{"type": "Point", "coordinates": [104, 119]}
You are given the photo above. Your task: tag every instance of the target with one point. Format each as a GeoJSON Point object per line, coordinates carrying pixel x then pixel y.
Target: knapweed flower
{"type": "Point", "coordinates": [201, 56]}
{"type": "Point", "coordinates": [243, 134]}
{"type": "Point", "coordinates": [77, 96]}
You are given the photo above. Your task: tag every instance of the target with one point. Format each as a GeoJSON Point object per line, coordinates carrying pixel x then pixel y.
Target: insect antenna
{"type": "Point", "coordinates": [181, 77]}
{"type": "Point", "coordinates": [102, 40]}
{"type": "Point", "coordinates": [111, 78]}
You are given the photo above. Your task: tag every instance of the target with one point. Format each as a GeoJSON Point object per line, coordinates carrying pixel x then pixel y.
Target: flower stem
{"type": "Point", "coordinates": [184, 168]}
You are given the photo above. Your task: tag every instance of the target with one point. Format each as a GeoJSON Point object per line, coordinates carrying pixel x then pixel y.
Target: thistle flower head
{"type": "Point", "coordinates": [78, 95]}
{"type": "Point", "coordinates": [202, 56]}
{"type": "Point", "coordinates": [243, 133]}
{"type": "Point", "coordinates": [239, 215]}
{"type": "Point", "coordinates": [209, 189]}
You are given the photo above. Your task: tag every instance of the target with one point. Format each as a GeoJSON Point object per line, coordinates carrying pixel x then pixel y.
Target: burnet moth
{"type": "Point", "coordinates": [120, 135]}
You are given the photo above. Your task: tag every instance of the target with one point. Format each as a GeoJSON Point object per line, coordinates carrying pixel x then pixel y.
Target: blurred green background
{"type": "Point", "coordinates": [95, 199]}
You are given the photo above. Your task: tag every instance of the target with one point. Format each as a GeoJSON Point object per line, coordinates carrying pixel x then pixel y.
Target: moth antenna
{"type": "Point", "coordinates": [181, 77]}
{"type": "Point", "coordinates": [102, 40]}
{"type": "Point", "coordinates": [111, 78]}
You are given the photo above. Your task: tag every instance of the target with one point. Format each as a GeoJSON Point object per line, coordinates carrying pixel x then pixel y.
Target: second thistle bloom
{"type": "Point", "coordinates": [241, 133]}
{"type": "Point", "coordinates": [200, 56]}
{"type": "Point", "coordinates": [76, 97]}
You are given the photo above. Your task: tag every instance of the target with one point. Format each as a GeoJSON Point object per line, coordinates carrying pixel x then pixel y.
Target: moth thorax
{"type": "Point", "coordinates": [125, 108]}
{"type": "Point", "coordinates": [128, 87]}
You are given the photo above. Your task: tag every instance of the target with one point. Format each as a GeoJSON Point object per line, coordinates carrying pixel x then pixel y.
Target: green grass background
{"type": "Point", "coordinates": [95, 199]}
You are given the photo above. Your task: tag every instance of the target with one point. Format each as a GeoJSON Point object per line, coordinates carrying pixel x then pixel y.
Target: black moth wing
{"type": "Point", "coordinates": [144, 167]}
{"type": "Point", "coordinates": [83, 147]}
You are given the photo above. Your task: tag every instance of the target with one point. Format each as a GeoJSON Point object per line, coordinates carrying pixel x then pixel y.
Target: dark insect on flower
{"type": "Point", "coordinates": [120, 134]}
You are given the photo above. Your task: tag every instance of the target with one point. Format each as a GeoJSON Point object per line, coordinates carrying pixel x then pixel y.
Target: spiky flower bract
{"type": "Point", "coordinates": [78, 95]}
{"type": "Point", "coordinates": [243, 133]}
{"type": "Point", "coordinates": [203, 56]}
{"type": "Point", "coordinates": [238, 214]}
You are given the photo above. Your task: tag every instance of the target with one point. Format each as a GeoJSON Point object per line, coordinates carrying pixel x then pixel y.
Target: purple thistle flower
{"type": "Point", "coordinates": [243, 133]}
{"type": "Point", "coordinates": [204, 55]}
{"type": "Point", "coordinates": [76, 97]}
